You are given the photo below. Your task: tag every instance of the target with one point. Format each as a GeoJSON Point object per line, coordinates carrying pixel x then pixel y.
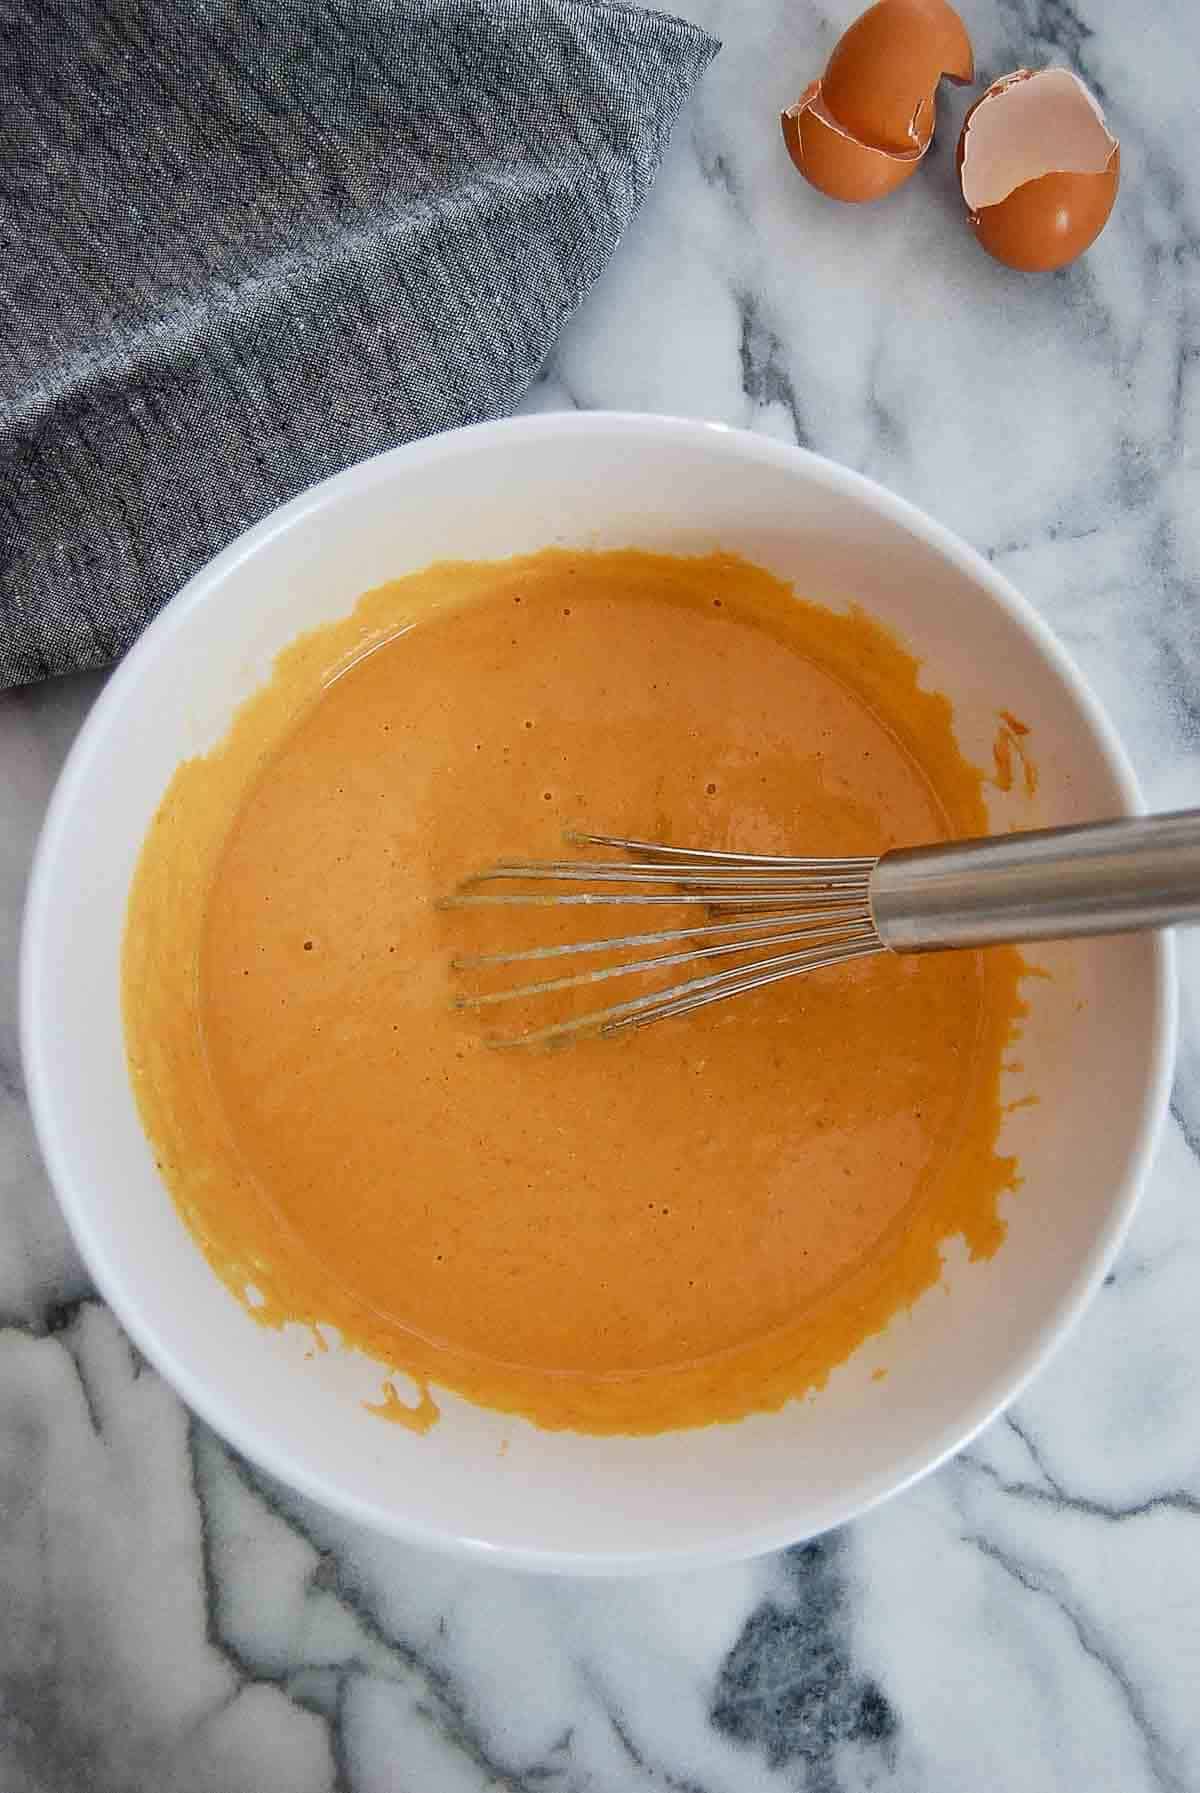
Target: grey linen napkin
{"type": "Point", "coordinates": [244, 243]}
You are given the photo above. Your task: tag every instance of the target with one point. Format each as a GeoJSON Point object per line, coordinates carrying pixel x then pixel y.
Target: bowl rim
{"type": "Point", "coordinates": [215, 1406]}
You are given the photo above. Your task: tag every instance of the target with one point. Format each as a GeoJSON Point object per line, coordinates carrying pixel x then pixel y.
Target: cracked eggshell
{"type": "Point", "coordinates": [833, 161]}
{"type": "Point", "coordinates": [882, 79]}
{"type": "Point", "coordinates": [1039, 169]}
{"type": "Point", "coordinates": [861, 131]}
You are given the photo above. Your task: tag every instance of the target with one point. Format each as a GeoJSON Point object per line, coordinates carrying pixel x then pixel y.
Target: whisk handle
{"type": "Point", "coordinates": [1048, 884]}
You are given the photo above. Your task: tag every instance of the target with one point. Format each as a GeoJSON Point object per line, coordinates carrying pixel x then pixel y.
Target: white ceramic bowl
{"type": "Point", "coordinates": [1096, 1050]}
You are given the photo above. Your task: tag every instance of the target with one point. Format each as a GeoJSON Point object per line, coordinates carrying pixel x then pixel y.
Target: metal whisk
{"type": "Point", "coordinates": [761, 919]}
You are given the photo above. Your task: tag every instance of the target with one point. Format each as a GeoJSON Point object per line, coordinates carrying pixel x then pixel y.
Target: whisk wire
{"type": "Point", "coordinates": [797, 914]}
{"type": "Point", "coordinates": [852, 931]}
{"type": "Point", "coordinates": [707, 856]}
{"type": "Point", "coordinates": [657, 937]}
{"type": "Point", "coordinates": [695, 993]}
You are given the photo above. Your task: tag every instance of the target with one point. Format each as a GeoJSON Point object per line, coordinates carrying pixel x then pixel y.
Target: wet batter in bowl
{"type": "Point", "coordinates": [681, 1226]}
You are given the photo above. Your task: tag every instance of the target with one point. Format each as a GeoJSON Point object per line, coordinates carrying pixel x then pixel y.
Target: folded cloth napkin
{"type": "Point", "coordinates": [244, 243]}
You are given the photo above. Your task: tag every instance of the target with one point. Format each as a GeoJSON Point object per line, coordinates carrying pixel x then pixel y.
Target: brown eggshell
{"type": "Point", "coordinates": [882, 78]}
{"type": "Point", "coordinates": [1042, 214]}
{"type": "Point", "coordinates": [832, 161]}
{"type": "Point", "coordinates": [1048, 222]}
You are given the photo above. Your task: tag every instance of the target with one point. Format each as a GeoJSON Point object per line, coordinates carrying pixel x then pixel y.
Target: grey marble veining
{"type": "Point", "coordinates": [1027, 1619]}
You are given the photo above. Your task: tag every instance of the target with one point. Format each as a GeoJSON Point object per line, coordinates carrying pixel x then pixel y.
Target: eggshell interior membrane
{"type": "Point", "coordinates": [1027, 126]}
{"type": "Point", "coordinates": [883, 74]}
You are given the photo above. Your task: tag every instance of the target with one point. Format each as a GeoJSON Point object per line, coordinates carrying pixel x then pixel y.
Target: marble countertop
{"type": "Point", "coordinates": [1029, 1617]}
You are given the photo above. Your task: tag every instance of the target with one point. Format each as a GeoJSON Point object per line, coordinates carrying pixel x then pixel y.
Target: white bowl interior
{"type": "Point", "coordinates": [1094, 1052]}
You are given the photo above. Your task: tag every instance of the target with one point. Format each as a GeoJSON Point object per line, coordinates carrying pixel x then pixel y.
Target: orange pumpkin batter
{"type": "Point", "coordinates": [682, 1226]}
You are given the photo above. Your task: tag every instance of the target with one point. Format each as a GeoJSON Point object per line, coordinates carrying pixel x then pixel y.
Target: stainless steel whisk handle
{"type": "Point", "coordinates": [1048, 884]}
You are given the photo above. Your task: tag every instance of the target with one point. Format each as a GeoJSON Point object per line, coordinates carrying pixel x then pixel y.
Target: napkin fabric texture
{"type": "Point", "coordinates": [244, 243]}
